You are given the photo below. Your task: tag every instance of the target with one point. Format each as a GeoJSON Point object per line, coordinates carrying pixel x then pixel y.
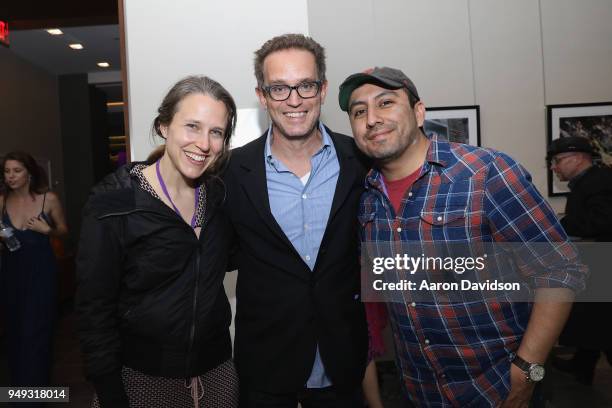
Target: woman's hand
{"type": "Point", "coordinates": [38, 224]}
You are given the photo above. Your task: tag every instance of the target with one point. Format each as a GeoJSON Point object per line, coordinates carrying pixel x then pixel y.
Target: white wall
{"type": "Point", "coordinates": [577, 50]}
{"type": "Point", "coordinates": [418, 37]}
{"type": "Point", "coordinates": [214, 38]}
{"type": "Point", "coordinates": [509, 87]}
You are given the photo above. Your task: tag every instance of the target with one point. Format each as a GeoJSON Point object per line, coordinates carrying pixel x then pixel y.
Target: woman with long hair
{"type": "Point", "coordinates": [29, 273]}
{"type": "Point", "coordinates": [153, 315]}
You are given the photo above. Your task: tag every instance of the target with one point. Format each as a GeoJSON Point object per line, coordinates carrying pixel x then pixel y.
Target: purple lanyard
{"type": "Point", "coordinates": [165, 190]}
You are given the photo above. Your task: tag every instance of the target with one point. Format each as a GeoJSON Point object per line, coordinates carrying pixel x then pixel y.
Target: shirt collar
{"type": "Point", "coordinates": [324, 146]}
{"type": "Point", "coordinates": [438, 154]}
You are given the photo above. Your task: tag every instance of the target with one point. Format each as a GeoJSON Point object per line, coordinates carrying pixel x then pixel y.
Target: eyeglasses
{"type": "Point", "coordinates": [305, 90]}
{"type": "Point", "coordinates": [558, 159]}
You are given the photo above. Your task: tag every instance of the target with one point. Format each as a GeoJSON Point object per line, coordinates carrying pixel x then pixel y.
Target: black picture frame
{"type": "Point", "coordinates": [455, 123]}
{"type": "Point", "coordinates": [590, 120]}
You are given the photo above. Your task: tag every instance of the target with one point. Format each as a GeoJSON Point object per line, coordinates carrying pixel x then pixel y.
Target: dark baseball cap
{"type": "Point", "coordinates": [570, 144]}
{"type": "Point", "coordinates": [388, 78]}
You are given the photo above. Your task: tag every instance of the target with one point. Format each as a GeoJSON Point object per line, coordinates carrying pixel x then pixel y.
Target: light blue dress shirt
{"type": "Point", "coordinates": [301, 208]}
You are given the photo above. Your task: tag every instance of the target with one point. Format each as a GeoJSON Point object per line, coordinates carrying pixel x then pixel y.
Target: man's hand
{"type": "Point", "coordinates": [547, 319]}
{"type": "Point", "coordinates": [520, 389]}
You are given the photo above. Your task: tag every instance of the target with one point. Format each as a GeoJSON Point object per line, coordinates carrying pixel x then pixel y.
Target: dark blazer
{"type": "Point", "coordinates": [283, 308]}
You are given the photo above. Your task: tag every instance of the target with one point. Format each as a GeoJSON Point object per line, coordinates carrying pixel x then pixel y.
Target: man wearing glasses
{"type": "Point", "coordinates": [292, 198]}
{"type": "Point", "coordinates": [588, 216]}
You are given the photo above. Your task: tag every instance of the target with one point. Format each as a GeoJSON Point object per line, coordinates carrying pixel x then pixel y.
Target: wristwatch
{"type": "Point", "coordinates": [534, 372]}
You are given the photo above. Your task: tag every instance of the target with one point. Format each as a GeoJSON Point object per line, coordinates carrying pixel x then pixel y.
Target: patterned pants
{"type": "Point", "coordinates": [217, 388]}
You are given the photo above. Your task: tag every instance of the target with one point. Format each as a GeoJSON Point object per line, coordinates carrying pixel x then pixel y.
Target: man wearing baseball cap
{"type": "Point", "coordinates": [588, 215]}
{"type": "Point", "coordinates": [426, 189]}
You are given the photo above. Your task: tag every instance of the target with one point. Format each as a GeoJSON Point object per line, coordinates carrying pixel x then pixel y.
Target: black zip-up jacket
{"type": "Point", "coordinates": [150, 293]}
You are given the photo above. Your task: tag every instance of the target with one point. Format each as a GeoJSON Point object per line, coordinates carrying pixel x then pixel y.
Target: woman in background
{"type": "Point", "coordinates": [29, 273]}
{"type": "Point", "coordinates": [153, 315]}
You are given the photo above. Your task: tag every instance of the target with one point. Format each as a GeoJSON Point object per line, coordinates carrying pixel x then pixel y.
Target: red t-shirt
{"type": "Point", "coordinates": [397, 188]}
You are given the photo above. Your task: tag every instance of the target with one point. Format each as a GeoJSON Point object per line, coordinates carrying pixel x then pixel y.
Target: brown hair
{"type": "Point", "coordinates": [38, 177]}
{"type": "Point", "coordinates": [197, 85]}
{"type": "Point", "coordinates": [156, 154]}
{"type": "Point", "coordinates": [285, 42]}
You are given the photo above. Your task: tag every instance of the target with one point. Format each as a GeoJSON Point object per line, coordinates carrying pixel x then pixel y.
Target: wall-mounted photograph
{"type": "Point", "coordinates": [456, 123]}
{"type": "Point", "coordinates": [593, 121]}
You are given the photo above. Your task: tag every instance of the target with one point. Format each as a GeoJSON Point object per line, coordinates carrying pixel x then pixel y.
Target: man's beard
{"type": "Point", "coordinates": [390, 153]}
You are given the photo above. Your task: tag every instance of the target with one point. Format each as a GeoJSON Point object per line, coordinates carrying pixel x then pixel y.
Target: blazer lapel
{"type": "Point", "coordinates": [346, 178]}
{"type": "Point", "coordinates": [253, 181]}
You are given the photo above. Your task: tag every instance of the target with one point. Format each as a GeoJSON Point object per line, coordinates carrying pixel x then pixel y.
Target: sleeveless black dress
{"type": "Point", "coordinates": [28, 282]}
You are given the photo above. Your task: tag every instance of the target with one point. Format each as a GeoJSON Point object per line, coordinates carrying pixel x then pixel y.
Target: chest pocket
{"type": "Point", "coordinates": [445, 216]}
{"type": "Point", "coordinates": [450, 224]}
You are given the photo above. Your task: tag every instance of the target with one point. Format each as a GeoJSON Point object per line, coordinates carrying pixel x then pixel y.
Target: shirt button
{"type": "Point", "coordinates": [439, 218]}
{"type": "Point", "coordinates": [305, 226]}
{"type": "Point", "coordinates": [410, 194]}
{"type": "Point", "coordinates": [307, 257]}
{"type": "Point", "coordinates": [413, 304]}
{"type": "Point", "coordinates": [426, 341]}
{"type": "Point", "coordinates": [304, 196]}
{"type": "Point", "coordinates": [399, 229]}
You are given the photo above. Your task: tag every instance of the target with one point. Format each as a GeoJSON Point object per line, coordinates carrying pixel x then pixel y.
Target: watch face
{"type": "Point", "coordinates": [536, 372]}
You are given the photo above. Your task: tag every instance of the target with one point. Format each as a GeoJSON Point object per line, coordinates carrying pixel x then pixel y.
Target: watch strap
{"type": "Point", "coordinates": [520, 363]}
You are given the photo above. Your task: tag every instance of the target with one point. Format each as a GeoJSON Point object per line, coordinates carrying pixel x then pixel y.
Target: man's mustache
{"type": "Point", "coordinates": [378, 129]}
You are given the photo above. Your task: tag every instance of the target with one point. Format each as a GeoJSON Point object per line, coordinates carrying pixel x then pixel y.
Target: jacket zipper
{"type": "Point", "coordinates": [195, 294]}
{"type": "Point", "coordinates": [193, 316]}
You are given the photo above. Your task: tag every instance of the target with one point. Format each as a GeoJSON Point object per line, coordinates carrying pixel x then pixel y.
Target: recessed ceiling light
{"type": "Point", "coordinates": [76, 46]}
{"type": "Point", "coordinates": [103, 64]}
{"type": "Point", "coordinates": [55, 31]}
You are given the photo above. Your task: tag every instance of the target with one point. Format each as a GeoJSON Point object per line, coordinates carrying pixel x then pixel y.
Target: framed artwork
{"type": "Point", "coordinates": [456, 123]}
{"type": "Point", "coordinates": [592, 121]}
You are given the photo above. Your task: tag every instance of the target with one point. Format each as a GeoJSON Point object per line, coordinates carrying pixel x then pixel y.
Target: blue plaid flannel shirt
{"type": "Point", "coordinates": [457, 354]}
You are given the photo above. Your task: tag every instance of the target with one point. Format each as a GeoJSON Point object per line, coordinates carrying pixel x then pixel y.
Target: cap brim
{"type": "Point", "coordinates": [552, 153]}
{"type": "Point", "coordinates": [355, 81]}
